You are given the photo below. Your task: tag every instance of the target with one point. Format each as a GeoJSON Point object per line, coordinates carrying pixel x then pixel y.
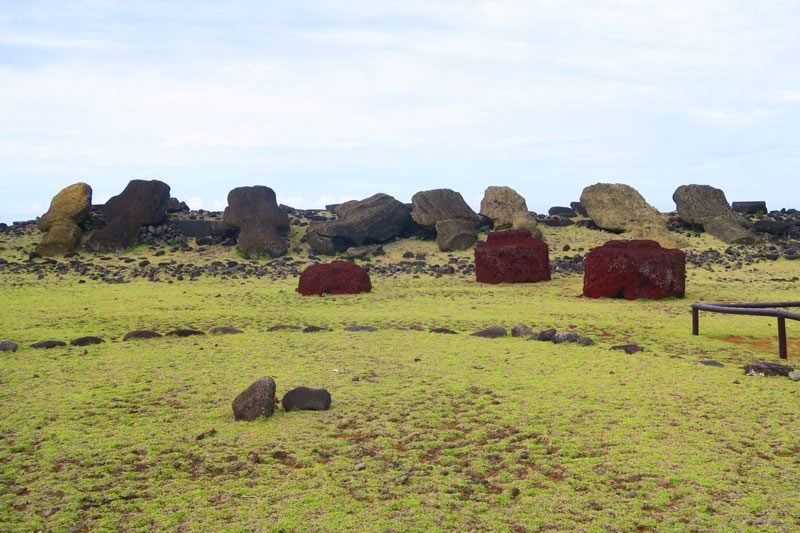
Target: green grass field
{"type": "Point", "coordinates": [426, 432]}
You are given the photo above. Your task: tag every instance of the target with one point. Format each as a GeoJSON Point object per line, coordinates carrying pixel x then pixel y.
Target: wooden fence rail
{"type": "Point", "coordinates": [752, 309]}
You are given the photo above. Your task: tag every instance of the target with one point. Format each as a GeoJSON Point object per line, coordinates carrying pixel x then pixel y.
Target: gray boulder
{"type": "Point", "coordinates": [255, 211]}
{"type": "Point", "coordinates": [9, 346]}
{"type": "Point", "coordinates": [377, 219]}
{"type": "Point", "coordinates": [256, 401]}
{"type": "Point", "coordinates": [707, 206]}
{"type": "Point", "coordinates": [430, 207]}
{"type": "Point", "coordinates": [455, 234]}
{"type": "Point", "coordinates": [306, 399]}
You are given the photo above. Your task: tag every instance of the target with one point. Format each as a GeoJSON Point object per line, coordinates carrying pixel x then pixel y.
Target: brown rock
{"type": "Point", "coordinates": [67, 210]}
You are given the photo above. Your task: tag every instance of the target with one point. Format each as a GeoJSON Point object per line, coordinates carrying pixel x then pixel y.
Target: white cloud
{"type": "Point", "coordinates": [729, 116]}
{"type": "Point", "coordinates": [195, 202]}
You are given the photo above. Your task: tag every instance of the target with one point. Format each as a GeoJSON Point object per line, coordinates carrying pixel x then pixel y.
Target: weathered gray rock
{"type": "Point", "coordinates": [455, 234]}
{"type": "Point", "coordinates": [306, 399]}
{"type": "Point", "coordinates": [377, 219]}
{"type": "Point", "coordinates": [620, 208]}
{"type": "Point", "coordinates": [142, 202]}
{"type": "Point", "coordinates": [493, 332]}
{"type": "Point", "coordinates": [86, 341]}
{"type": "Point", "coordinates": [794, 375]}
{"type": "Point", "coordinates": [356, 252]}
{"type": "Point", "coordinates": [141, 334]}
{"type": "Point", "coordinates": [521, 330]}
{"type": "Point", "coordinates": [707, 206]}
{"type": "Point", "coordinates": [565, 336]}
{"type": "Point", "coordinates": [546, 334]}
{"type": "Point", "coordinates": [9, 346]}
{"type": "Point", "coordinates": [255, 211]}
{"type": "Point", "coordinates": [767, 368]}
{"type": "Point", "coordinates": [429, 207]}
{"type": "Point", "coordinates": [507, 209]}
{"type": "Point", "coordinates": [256, 401]}
{"type": "Point", "coordinates": [61, 223]}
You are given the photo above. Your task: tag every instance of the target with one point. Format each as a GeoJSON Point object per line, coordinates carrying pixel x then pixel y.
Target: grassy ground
{"type": "Point", "coordinates": [426, 431]}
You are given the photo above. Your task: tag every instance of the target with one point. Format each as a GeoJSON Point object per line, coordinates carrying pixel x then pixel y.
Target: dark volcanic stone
{"type": "Point", "coordinates": [224, 330]}
{"type": "Point", "coordinates": [86, 341]}
{"type": "Point", "coordinates": [546, 334]}
{"type": "Point", "coordinates": [184, 332]}
{"type": "Point", "coordinates": [338, 277]}
{"type": "Point", "coordinates": [374, 220]}
{"type": "Point", "coordinates": [708, 207]}
{"type": "Point", "coordinates": [256, 401]}
{"type": "Point", "coordinates": [773, 227]}
{"type": "Point", "coordinates": [429, 207]}
{"type": "Point", "coordinates": [306, 399]}
{"type": "Point", "coordinates": [634, 269]}
{"type": "Point", "coordinates": [578, 208]}
{"type": "Point", "coordinates": [280, 327]}
{"type": "Point", "coordinates": [566, 336]}
{"type": "Point", "coordinates": [767, 368]}
{"type": "Point", "coordinates": [255, 211]}
{"type": "Point", "coordinates": [628, 348]}
{"type": "Point", "coordinates": [313, 329]}
{"type": "Point", "coordinates": [361, 328]}
{"type": "Point", "coordinates": [562, 211]}
{"type": "Point", "coordinates": [521, 330]}
{"type": "Point", "coordinates": [512, 256]}
{"type": "Point", "coordinates": [493, 332]}
{"type": "Point", "coordinates": [9, 346]}
{"type": "Point", "coordinates": [710, 362]}
{"type": "Point", "coordinates": [444, 330]}
{"type": "Point", "coordinates": [46, 345]}
{"type": "Point", "coordinates": [141, 334]}
{"type": "Point", "coordinates": [750, 208]}
{"type": "Point", "coordinates": [142, 202]}
{"type": "Point", "coordinates": [455, 234]}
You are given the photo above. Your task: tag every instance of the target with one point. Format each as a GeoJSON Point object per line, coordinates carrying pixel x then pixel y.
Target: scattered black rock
{"type": "Point", "coordinates": [444, 330]}
{"type": "Point", "coordinates": [710, 362]}
{"type": "Point", "coordinates": [307, 399]}
{"type": "Point", "coordinates": [184, 332]}
{"type": "Point", "coordinates": [141, 334]}
{"type": "Point", "coordinates": [566, 336]}
{"type": "Point", "coordinates": [281, 327]}
{"type": "Point", "coordinates": [361, 328]}
{"type": "Point", "coordinates": [46, 345]}
{"type": "Point", "coordinates": [86, 341]}
{"type": "Point", "coordinates": [546, 334]}
{"type": "Point", "coordinates": [521, 330]}
{"type": "Point", "coordinates": [9, 346]}
{"type": "Point", "coordinates": [493, 332]}
{"type": "Point", "coordinates": [313, 329]}
{"type": "Point", "coordinates": [224, 330]}
{"type": "Point", "coordinates": [586, 341]}
{"type": "Point", "coordinates": [628, 348]}
{"type": "Point", "coordinates": [767, 368]}
{"type": "Point", "coordinates": [256, 401]}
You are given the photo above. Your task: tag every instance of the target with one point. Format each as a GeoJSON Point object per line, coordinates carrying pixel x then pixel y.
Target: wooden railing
{"type": "Point", "coordinates": [751, 309]}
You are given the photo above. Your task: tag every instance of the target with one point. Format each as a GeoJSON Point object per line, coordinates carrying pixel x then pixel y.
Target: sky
{"type": "Point", "coordinates": [328, 101]}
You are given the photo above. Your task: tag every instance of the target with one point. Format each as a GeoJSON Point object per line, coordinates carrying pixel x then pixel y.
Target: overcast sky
{"type": "Point", "coordinates": [325, 101]}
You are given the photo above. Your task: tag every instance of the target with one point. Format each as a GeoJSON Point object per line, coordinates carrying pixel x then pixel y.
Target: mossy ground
{"type": "Point", "coordinates": [426, 431]}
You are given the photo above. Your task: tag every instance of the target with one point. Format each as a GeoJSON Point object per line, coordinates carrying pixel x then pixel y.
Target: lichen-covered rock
{"type": "Point", "coordinates": [142, 202]}
{"type": "Point", "coordinates": [512, 256]}
{"type": "Point", "coordinates": [506, 208]}
{"type": "Point", "coordinates": [255, 211]}
{"type": "Point", "coordinates": [377, 219]}
{"type": "Point", "coordinates": [429, 207]}
{"type": "Point", "coordinates": [634, 269]}
{"type": "Point", "coordinates": [707, 206]}
{"type": "Point", "coordinates": [306, 399]}
{"type": "Point", "coordinates": [620, 208]}
{"type": "Point", "coordinates": [256, 401]}
{"type": "Point", "coordinates": [338, 277]}
{"type": "Point", "coordinates": [61, 223]}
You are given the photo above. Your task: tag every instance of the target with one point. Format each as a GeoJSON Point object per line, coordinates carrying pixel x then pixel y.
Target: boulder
{"type": "Point", "coordinates": [634, 269]}
{"type": "Point", "coordinates": [254, 210]}
{"type": "Point", "coordinates": [141, 334]}
{"type": "Point", "coordinates": [707, 206]}
{"type": "Point", "coordinates": [306, 399]}
{"type": "Point", "coordinates": [455, 234]}
{"type": "Point", "coordinates": [521, 330]}
{"type": "Point", "coordinates": [620, 208]}
{"type": "Point", "coordinates": [492, 332]}
{"type": "Point", "coordinates": [767, 368]}
{"type": "Point", "coordinates": [86, 341]}
{"type": "Point", "coordinates": [47, 345]}
{"type": "Point", "coordinates": [142, 202]}
{"type": "Point", "coordinates": [512, 256]}
{"type": "Point", "coordinates": [750, 208]}
{"type": "Point", "coordinates": [256, 401]}
{"type": "Point", "coordinates": [377, 219]}
{"type": "Point", "coordinates": [562, 211]}
{"type": "Point", "coordinates": [507, 209]}
{"type": "Point", "coordinates": [9, 346]}
{"type": "Point", "coordinates": [578, 208]}
{"type": "Point", "coordinates": [338, 277]}
{"type": "Point", "coordinates": [61, 224]}
{"type": "Point", "coordinates": [357, 252]}
{"type": "Point", "coordinates": [429, 207]}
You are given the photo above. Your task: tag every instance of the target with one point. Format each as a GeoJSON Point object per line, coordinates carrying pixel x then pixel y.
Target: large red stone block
{"type": "Point", "coordinates": [634, 269]}
{"type": "Point", "coordinates": [338, 277]}
{"type": "Point", "coordinates": [512, 256]}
